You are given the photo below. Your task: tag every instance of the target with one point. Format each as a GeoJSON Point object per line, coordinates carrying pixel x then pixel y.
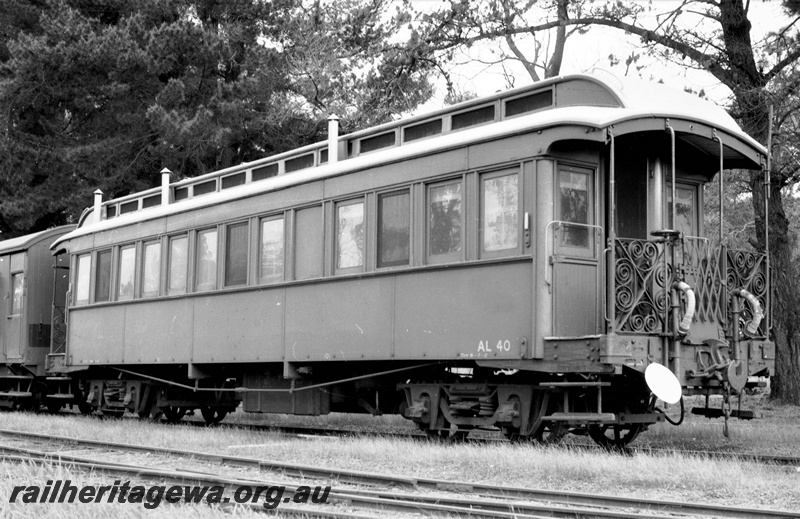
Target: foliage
{"type": "Point", "coordinates": [710, 35]}
{"type": "Point", "coordinates": [105, 93]}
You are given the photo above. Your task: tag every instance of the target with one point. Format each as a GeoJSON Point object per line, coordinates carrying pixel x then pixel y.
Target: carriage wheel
{"type": "Point", "coordinates": [175, 413]}
{"type": "Point", "coordinates": [152, 412]}
{"type": "Point", "coordinates": [551, 433]}
{"type": "Point", "coordinates": [614, 436]}
{"type": "Point", "coordinates": [212, 415]}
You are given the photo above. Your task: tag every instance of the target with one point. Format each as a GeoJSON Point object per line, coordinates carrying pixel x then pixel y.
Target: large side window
{"type": "Point", "coordinates": [83, 279]}
{"type": "Point", "coordinates": [151, 269]}
{"type": "Point", "coordinates": [17, 288]}
{"type": "Point", "coordinates": [102, 281]}
{"type": "Point", "coordinates": [575, 206]}
{"type": "Point", "coordinates": [271, 251]}
{"type": "Point", "coordinates": [499, 213]}
{"type": "Point", "coordinates": [445, 226]}
{"type": "Point", "coordinates": [178, 264]}
{"type": "Point", "coordinates": [349, 235]}
{"type": "Point", "coordinates": [206, 260]}
{"type": "Point", "coordinates": [394, 229]}
{"type": "Point", "coordinates": [127, 269]}
{"type": "Point", "coordinates": [236, 254]}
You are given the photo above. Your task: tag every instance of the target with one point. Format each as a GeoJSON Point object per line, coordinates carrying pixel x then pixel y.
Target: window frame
{"type": "Point", "coordinates": [142, 270]}
{"type": "Point", "coordinates": [206, 286]}
{"type": "Point", "coordinates": [696, 201]}
{"type": "Point", "coordinates": [181, 290]}
{"type": "Point", "coordinates": [589, 251]}
{"type": "Point", "coordinates": [365, 233]}
{"type": "Point", "coordinates": [452, 256]}
{"type": "Point", "coordinates": [488, 176]}
{"type": "Point", "coordinates": [380, 196]}
{"type": "Point", "coordinates": [97, 273]}
{"type": "Point", "coordinates": [78, 272]}
{"type": "Point", "coordinates": [277, 278]}
{"type": "Point", "coordinates": [14, 275]}
{"type": "Point", "coordinates": [118, 276]}
{"type": "Point", "coordinates": [225, 256]}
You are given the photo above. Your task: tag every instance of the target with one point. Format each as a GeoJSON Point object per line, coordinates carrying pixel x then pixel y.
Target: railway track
{"type": "Point", "coordinates": [764, 459]}
{"type": "Point", "coordinates": [369, 491]}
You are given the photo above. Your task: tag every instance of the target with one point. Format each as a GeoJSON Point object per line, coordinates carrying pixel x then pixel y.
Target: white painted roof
{"type": "Point", "coordinates": [21, 243]}
{"type": "Point", "coordinates": [639, 101]}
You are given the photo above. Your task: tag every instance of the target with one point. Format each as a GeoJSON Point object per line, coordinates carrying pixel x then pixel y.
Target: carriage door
{"type": "Point", "coordinates": [576, 251]}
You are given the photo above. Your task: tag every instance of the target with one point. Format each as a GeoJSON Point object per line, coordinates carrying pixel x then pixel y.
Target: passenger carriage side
{"type": "Point", "coordinates": [496, 263]}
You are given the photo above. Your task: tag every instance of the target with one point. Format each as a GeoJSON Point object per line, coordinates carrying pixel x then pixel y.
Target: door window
{"type": "Point", "coordinates": [575, 207]}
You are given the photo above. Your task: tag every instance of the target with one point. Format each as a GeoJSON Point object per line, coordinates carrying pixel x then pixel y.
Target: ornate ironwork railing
{"type": "Point", "coordinates": [748, 270]}
{"type": "Point", "coordinates": [640, 279]}
{"type": "Point", "coordinates": [642, 271]}
{"type": "Point", "coordinates": [702, 267]}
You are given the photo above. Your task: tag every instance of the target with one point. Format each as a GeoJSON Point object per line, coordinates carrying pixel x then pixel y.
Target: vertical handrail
{"type": "Point", "coordinates": [612, 236]}
{"type": "Point", "coordinates": [671, 131]}
{"type": "Point", "coordinates": [767, 188]}
{"type": "Point", "coordinates": [721, 184]}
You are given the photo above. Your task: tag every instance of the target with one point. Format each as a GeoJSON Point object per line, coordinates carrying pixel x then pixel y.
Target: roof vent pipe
{"type": "Point", "coordinates": [165, 174]}
{"type": "Point", "coordinates": [98, 205]}
{"type": "Point", "coordinates": [333, 139]}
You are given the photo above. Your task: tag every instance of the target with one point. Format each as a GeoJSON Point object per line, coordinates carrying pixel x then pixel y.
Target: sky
{"type": "Point", "coordinates": [590, 51]}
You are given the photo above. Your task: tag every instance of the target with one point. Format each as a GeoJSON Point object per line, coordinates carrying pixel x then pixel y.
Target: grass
{"type": "Point", "coordinates": [666, 476]}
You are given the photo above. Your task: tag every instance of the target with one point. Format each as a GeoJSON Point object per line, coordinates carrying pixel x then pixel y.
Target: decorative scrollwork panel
{"type": "Point", "coordinates": [640, 279]}
{"type": "Point", "coordinates": [748, 270]}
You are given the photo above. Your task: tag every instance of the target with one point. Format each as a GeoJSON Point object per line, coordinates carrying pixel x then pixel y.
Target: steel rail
{"type": "Point", "coordinates": [495, 491]}
{"type": "Point", "coordinates": [385, 500]}
{"type": "Point", "coordinates": [300, 431]}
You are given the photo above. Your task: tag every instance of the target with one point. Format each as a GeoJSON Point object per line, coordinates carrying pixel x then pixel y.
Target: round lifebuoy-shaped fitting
{"type": "Point", "coordinates": [686, 322]}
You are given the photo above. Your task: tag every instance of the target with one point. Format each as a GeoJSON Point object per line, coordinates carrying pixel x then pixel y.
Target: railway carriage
{"type": "Point", "coordinates": [526, 261]}
{"type": "Point", "coordinates": [33, 286]}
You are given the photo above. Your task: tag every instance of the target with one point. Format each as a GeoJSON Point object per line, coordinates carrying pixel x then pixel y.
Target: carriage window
{"type": "Point", "coordinates": [16, 298]}
{"type": "Point", "coordinates": [308, 243]}
{"type": "Point", "coordinates": [102, 282]}
{"type": "Point", "coordinates": [349, 235]}
{"type": "Point", "coordinates": [394, 229]}
{"type": "Point", "coordinates": [575, 206]}
{"type": "Point", "coordinates": [127, 267]}
{"type": "Point", "coordinates": [444, 221]}
{"type": "Point", "coordinates": [684, 210]}
{"type": "Point", "coordinates": [151, 269]}
{"type": "Point", "coordinates": [500, 218]}
{"type": "Point", "coordinates": [82, 279]}
{"type": "Point", "coordinates": [207, 260]}
{"type": "Point", "coordinates": [271, 253]}
{"type": "Point", "coordinates": [236, 255]}
{"type": "Point", "coordinates": [178, 263]}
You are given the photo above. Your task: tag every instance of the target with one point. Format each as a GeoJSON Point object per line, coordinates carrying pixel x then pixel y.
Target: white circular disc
{"type": "Point", "coordinates": [663, 383]}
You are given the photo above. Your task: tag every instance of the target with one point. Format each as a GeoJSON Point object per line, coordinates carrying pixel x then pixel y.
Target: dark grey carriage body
{"type": "Point", "coordinates": [476, 238]}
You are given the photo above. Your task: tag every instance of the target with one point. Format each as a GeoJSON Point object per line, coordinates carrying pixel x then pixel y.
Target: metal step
{"type": "Point", "coordinates": [16, 394]}
{"type": "Point", "coordinates": [575, 384]}
{"type": "Point", "coordinates": [61, 396]}
{"type": "Point", "coordinates": [715, 412]}
{"type": "Point", "coordinates": [581, 417]}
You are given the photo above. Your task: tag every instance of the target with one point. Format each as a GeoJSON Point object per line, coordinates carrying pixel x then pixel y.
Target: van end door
{"type": "Point", "coordinates": [577, 246]}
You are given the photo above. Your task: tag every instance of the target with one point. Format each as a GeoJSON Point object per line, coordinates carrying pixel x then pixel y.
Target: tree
{"type": "Point", "coordinates": [712, 35]}
{"type": "Point", "coordinates": [106, 93]}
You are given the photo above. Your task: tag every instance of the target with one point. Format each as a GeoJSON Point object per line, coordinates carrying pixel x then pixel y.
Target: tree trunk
{"type": "Point", "coordinates": [785, 281]}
